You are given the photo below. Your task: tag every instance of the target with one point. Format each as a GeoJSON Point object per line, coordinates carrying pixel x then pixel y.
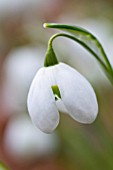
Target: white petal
{"type": "Point", "coordinates": [61, 107]}
{"type": "Point", "coordinates": [41, 103]}
{"type": "Point", "coordinates": [77, 94]}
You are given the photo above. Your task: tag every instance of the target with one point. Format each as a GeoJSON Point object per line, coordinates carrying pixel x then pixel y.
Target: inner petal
{"type": "Point", "coordinates": [61, 107]}
{"type": "Point", "coordinates": [59, 103]}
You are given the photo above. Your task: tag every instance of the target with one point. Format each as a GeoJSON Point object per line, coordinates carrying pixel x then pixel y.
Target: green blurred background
{"type": "Point", "coordinates": [23, 43]}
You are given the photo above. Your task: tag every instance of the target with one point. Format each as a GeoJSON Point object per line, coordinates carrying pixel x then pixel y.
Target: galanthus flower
{"type": "Point", "coordinates": [55, 82]}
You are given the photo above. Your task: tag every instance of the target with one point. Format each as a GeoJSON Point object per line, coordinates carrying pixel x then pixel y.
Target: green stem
{"type": "Point", "coordinates": [80, 42]}
{"type": "Point", "coordinates": [80, 30]}
{"type": "Point", "coordinates": [79, 34]}
{"type": "Point", "coordinates": [51, 59]}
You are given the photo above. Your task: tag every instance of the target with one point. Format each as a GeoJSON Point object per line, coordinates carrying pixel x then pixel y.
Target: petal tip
{"type": "Point", "coordinates": [47, 130]}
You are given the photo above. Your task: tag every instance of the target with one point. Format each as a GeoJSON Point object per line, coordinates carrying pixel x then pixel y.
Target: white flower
{"type": "Point", "coordinates": [75, 92]}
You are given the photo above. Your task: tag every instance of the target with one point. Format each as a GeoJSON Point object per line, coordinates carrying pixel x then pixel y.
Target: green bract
{"type": "Point", "coordinates": [50, 58]}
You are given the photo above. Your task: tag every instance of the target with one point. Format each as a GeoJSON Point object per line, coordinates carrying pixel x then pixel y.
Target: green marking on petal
{"type": "Point", "coordinates": [56, 92]}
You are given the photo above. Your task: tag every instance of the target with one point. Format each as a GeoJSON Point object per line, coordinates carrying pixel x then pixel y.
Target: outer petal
{"type": "Point", "coordinates": [77, 94]}
{"type": "Point", "coordinates": [41, 103]}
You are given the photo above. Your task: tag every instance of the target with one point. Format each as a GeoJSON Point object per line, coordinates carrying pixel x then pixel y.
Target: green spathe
{"type": "Point", "coordinates": [50, 58]}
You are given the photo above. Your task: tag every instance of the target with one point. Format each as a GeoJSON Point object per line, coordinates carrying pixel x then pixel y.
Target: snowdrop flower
{"type": "Point", "coordinates": [60, 82]}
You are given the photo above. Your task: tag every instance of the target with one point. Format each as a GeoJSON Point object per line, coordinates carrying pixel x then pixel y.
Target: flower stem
{"type": "Point", "coordinates": [51, 58]}
{"type": "Point", "coordinates": [88, 41]}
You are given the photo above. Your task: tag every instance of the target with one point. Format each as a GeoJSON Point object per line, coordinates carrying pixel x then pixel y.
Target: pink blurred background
{"type": "Point", "coordinates": [23, 44]}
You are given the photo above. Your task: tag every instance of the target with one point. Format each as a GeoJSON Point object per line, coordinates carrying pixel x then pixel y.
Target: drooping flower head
{"type": "Point", "coordinates": [58, 82]}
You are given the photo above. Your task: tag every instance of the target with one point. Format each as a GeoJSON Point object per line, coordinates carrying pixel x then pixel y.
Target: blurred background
{"type": "Point", "coordinates": [23, 43]}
